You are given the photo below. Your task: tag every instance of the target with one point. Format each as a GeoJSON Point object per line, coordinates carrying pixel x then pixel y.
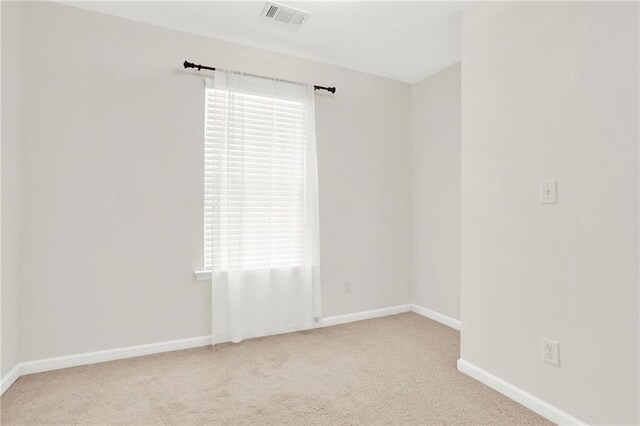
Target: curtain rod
{"type": "Point", "coordinates": [204, 67]}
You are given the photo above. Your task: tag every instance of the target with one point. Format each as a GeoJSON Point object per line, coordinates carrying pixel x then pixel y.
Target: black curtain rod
{"type": "Point", "coordinates": [204, 67]}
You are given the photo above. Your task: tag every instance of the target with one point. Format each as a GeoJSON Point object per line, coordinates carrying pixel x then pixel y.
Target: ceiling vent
{"type": "Point", "coordinates": [284, 14]}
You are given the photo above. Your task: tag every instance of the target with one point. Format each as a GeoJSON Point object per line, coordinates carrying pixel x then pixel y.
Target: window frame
{"type": "Point", "coordinates": [205, 273]}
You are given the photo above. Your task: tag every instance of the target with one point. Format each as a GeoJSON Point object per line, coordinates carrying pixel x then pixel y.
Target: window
{"type": "Point", "coordinates": [261, 205]}
{"type": "Point", "coordinates": [255, 197]}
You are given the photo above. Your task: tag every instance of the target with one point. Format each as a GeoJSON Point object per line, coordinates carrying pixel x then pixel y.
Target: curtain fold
{"type": "Point", "coordinates": [261, 203]}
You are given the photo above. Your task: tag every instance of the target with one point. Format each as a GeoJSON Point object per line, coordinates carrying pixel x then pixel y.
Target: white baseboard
{"type": "Point", "coordinates": [436, 316]}
{"type": "Point", "coordinates": [533, 403]}
{"type": "Point", "coordinates": [49, 364]}
{"type": "Point", "coordinates": [57, 363]}
{"type": "Point", "coordinates": [10, 378]}
{"type": "Point", "coordinates": [364, 315]}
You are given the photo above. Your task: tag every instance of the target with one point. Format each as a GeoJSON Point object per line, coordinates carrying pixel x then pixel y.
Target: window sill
{"type": "Point", "coordinates": [202, 275]}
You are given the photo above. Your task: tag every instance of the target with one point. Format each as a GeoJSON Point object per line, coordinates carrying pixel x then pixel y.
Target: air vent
{"type": "Point", "coordinates": [284, 14]}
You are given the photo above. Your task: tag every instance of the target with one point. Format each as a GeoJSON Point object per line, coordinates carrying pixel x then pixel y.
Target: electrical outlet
{"type": "Point", "coordinates": [347, 286]}
{"type": "Point", "coordinates": [551, 352]}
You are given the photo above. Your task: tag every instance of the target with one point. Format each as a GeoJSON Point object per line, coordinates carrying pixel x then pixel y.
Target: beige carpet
{"type": "Point", "coordinates": [393, 370]}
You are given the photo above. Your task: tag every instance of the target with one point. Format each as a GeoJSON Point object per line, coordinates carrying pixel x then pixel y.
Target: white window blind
{"type": "Point", "coordinates": [254, 181]}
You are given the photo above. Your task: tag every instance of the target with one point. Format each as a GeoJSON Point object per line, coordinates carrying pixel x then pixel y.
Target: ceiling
{"type": "Point", "coordinates": [405, 41]}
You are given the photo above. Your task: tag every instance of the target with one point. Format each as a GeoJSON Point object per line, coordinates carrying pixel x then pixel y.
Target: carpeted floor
{"type": "Point", "coordinates": [394, 370]}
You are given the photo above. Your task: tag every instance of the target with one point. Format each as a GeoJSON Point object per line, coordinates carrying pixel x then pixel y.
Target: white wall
{"type": "Point", "coordinates": [550, 90]}
{"type": "Point", "coordinates": [10, 184]}
{"type": "Point", "coordinates": [112, 224]}
{"type": "Point", "coordinates": [436, 192]}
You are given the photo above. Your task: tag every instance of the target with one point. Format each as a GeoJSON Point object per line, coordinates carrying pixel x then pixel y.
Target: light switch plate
{"type": "Point", "coordinates": [548, 191]}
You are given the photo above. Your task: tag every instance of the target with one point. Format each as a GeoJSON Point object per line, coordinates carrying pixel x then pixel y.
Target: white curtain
{"type": "Point", "coordinates": [261, 196]}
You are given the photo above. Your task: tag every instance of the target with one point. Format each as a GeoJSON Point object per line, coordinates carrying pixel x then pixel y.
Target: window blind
{"type": "Point", "coordinates": [254, 201]}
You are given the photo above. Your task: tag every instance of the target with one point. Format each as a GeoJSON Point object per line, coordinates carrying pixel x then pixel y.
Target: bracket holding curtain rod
{"type": "Point", "coordinates": [187, 64]}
